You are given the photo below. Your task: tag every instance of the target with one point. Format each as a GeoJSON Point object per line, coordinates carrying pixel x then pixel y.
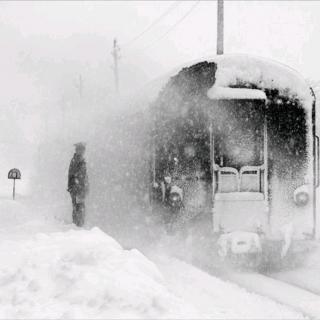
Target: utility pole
{"type": "Point", "coordinates": [116, 57]}
{"type": "Point", "coordinates": [79, 85]}
{"type": "Point", "coordinates": [220, 26]}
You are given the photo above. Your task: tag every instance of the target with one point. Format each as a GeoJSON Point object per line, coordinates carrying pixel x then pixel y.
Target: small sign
{"type": "Point", "coordinates": [14, 174]}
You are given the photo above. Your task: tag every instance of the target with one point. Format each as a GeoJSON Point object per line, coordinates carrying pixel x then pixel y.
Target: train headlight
{"type": "Point", "coordinates": [301, 196]}
{"type": "Point", "coordinates": [175, 197]}
{"type": "Point", "coordinates": [167, 179]}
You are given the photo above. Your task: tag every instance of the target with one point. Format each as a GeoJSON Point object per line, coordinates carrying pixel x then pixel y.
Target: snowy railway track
{"type": "Point", "coordinates": [285, 288]}
{"type": "Point", "coordinates": [296, 297]}
{"type": "Point", "coordinates": [304, 278]}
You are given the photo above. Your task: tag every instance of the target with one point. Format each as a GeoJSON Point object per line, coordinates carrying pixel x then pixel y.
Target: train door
{"type": "Point", "coordinates": [239, 155]}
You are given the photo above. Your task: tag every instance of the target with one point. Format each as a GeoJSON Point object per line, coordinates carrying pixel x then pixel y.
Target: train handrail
{"type": "Point", "coordinates": [318, 162]}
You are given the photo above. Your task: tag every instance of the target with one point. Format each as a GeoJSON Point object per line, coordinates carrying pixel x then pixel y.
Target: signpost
{"type": "Point", "coordinates": [14, 174]}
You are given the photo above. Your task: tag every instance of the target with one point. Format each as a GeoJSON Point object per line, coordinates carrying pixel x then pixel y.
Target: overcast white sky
{"type": "Point", "coordinates": [45, 46]}
{"type": "Point", "coordinates": [288, 31]}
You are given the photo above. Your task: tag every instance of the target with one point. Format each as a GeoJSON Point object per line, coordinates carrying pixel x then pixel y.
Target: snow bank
{"type": "Point", "coordinates": [87, 274]}
{"type": "Point", "coordinates": [81, 274]}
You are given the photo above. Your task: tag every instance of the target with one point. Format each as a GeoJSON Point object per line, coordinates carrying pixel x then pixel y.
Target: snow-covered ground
{"type": "Point", "coordinates": [219, 299]}
{"type": "Point", "coordinates": [300, 299]}
{"type": "Point", "coordinates": [307, 274]}
{"type": "Point", "coordinates": [51, 269]}
{"type": "Point", "coordinates": [81, 274]}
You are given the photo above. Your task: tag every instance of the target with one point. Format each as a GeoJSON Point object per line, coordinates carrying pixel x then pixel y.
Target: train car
{"type": "Point", "coordinates": [233, 142]}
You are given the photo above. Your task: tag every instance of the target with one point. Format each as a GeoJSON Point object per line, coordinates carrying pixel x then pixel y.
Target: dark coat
{"type": "Point", "coordinates": [78, 183]}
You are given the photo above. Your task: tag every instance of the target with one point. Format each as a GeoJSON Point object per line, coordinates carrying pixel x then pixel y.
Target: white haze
{"type": "Point", "coordinates": [46, 47]}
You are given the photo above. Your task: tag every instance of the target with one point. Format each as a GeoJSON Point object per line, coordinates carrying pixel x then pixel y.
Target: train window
{"type": "Point", "coordinates": [239, 135]}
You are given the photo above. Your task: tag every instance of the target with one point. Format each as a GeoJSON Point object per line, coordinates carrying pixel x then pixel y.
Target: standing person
{"type": "Point", "coordinates": [78, 185]}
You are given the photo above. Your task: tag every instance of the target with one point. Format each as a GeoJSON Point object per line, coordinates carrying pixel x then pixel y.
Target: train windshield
{"type": "Point", "coordinates": [238, 133]}
{"type": "Point", "coordinates": [238, 146]}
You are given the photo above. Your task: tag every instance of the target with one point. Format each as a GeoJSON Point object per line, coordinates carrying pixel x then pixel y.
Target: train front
{"type": "Point", "coordinates": [233, 144]}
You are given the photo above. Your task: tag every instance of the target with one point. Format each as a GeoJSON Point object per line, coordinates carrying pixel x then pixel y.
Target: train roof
{"type": "Point", "coordinates": [251, 71]}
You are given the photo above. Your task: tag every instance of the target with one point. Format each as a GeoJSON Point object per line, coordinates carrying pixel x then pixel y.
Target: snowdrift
{"type": "Point", "coordinates": [85, 274]}
{"type": "Point", "coordinates": [81, 274]}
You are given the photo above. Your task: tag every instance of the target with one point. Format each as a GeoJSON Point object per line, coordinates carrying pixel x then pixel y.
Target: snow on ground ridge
{"type": "Point", "coordinates": [67, 272]}
{"type": "Point", "coordinates": [87, 274]}
{"type": "Point", "coordinates": [81, 274]}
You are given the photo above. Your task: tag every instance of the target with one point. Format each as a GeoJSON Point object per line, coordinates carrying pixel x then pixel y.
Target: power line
{"type": "Point", "coordinates": [170, 29]}
{"type": "Point", "coordinates": [156, 21]}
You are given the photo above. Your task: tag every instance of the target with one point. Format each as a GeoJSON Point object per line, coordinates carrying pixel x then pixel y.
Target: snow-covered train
{"type": "Point", "coordinates": [233, 139]}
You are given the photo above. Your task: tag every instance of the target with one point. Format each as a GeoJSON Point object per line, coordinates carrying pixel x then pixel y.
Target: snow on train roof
{"type": "Point", "coordinates": [265, 73]}
{"type": "Point", "coordinates": [232, 68]}
{"type": "Point", "coordinates": [217, 93]}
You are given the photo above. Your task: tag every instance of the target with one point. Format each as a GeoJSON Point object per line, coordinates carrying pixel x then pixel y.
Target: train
{"type": "Point", "coordinates": [232, 142]}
